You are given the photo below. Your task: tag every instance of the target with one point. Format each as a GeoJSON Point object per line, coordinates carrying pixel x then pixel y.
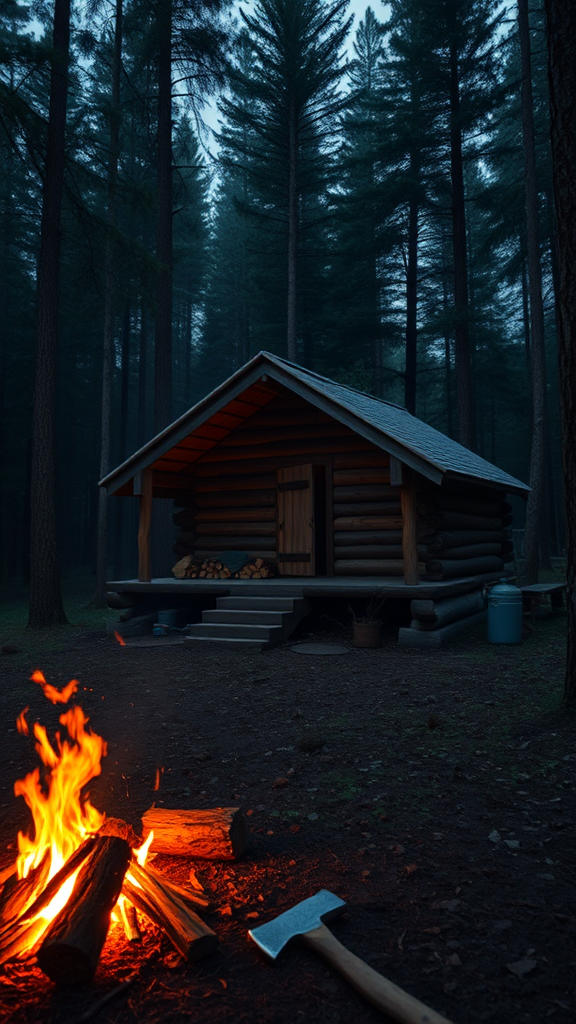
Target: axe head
{"type": "Point", "coordinates": [304, 917]}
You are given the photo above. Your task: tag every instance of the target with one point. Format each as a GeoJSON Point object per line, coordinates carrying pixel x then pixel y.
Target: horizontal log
{"type": "Point", "coordinates": [460, 521]}
{"type": "Point", "coordinates": [182, 549]}
{"type": "Point", "coordinates": [367, 492]}
{"type": "Point", "coordinates": [369, 551]}
{"type": "Point", "coordinates": [210, 470]}
{"type": "Point", "coordinates": [462, 538]}
{"type": "Point", "coordinates": [363, 459]}
{"type": "Point", "coordinates": [369, 567]}
{"type": "Point", "coordinates": [368, 508]}
{"type": "Point", "coordinates": [201, 553]}
{"type": "Point", "coordinates": [248, 481]}
{"type": "Point", "coordinates": [436, 638]}
{"type": "Point", "coordinates": [237, 497]}
{"type": "Point", "coordinates": [234, 542]}
{"type": "Point", "coordinates": [115, 600]}
{"type": "Point", "coordinates": [448, 568]}
{"type": "Point", "coordinates": [472, 551]}
{"type": "Point", "coordinates": [218, 833]}
{"type": "Point", "coordinates": [374, 551]}
{"type": "Point", "coordinates": [230, 529]}
{"type": "Point", "coordinates": [368, 523]}
{"type": "Point", "coordinates": [236, 515]}
{"type": "Point", "coordinates": [431, 503]}
{"type": "Point", "coordinates": [360, 476]}
{"type": "Point", "coordinates": [432, 614]}
{"type": "Point", "coordinates": [296, 432]}
{"type": "Point", "coordinates": [307, 446]}
{"type": "Point", "coordinates": [345, 538]}
{"type": "Point", "coordinates": [186, 537]}
{"type": "Point", "coordinates": [185, 517]}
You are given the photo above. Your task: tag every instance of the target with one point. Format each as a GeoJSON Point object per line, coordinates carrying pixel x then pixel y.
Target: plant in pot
{"type": "Point", "coordinates": [367, 628]}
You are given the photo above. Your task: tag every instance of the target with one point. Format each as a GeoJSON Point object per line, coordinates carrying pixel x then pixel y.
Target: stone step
{"type": "Point", "coordinates": [227, 643]}
{"type": "Point", "coordinates": [271, 634]}
{"type": "Point", "coordinates": [265, 604]}
{"type": "Point", "coordinates": [251, 616]}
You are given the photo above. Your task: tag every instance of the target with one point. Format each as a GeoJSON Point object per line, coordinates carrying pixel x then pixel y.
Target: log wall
{"type": "Point", "coordinates": [464, 530]}
{"type": "Point", "coordinates": [367, 516]}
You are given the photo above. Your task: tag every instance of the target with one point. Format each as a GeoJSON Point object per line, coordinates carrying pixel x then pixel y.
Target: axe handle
{"type": "Point", "coordinates": [383, 994]}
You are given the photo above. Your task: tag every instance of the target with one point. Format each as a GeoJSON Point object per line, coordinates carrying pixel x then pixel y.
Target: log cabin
{"type": "Point", "coordinates": [333, 490]}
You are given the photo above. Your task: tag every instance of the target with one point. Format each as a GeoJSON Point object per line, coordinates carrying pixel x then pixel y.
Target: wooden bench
{"type": "Point", "coordinates": [534, 595]}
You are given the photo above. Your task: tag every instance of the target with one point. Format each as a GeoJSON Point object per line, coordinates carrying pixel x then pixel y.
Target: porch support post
{"type": "Point", "coordinates": [143, 487]}
{"type": "Point", "coordinates": [409, 540]}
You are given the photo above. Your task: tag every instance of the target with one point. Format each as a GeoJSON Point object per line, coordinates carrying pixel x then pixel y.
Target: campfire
{"type": "Point", "coordinates": [79, 870]}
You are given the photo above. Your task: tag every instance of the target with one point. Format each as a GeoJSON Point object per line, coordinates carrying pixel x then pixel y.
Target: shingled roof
{"type": "Point", "coordinates": [384, 424]}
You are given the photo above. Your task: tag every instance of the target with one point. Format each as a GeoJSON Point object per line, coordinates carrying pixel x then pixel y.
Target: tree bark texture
{"type": "Point", "coordinates": [412, 297]}
{"type": "Point", "coordinates": [109, 310]}
{"type": "Point", "coordinates": [465, 397]}
{"type": "Point", "coordinates": [45, 598]}
{"type": "Point", "coordinates": [73, 942]}
{"type": "Point", "coordinates": [561, 23]}
{"type": "Point", "coordinates": [536, 498]}
{"type": "Point", "coordinates": [163, 334]}
{"type": "Point", "coordinates": [292, 233]}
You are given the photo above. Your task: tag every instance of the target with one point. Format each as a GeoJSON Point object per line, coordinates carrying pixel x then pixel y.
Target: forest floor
{"type": "Point", "coordinates": [433, 791]}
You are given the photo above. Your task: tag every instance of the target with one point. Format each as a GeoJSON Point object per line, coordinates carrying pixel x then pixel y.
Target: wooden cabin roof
{"type": "Point", "coordinates": [173, 452]}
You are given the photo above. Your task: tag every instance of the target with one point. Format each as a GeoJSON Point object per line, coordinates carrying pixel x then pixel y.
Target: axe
{"type": "Point", "coordinates": [305, 921]}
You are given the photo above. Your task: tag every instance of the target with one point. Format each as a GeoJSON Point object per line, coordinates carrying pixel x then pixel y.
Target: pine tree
{"type": "Point", "coordinates": [282, 129]}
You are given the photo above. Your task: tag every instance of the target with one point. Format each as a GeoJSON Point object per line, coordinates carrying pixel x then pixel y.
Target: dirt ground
{"type": "Point", "coordinates": [433, 791]}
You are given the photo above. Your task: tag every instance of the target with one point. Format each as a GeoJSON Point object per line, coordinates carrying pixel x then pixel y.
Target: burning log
{"type": "Point", "coordinates": [73, 941]}
{"type": "Point", "coordinates": [18, 935]}
{"type": "Point", "coordinates": [19, 893]}
{"type": "Point", "coordinates": [218, 833]}
{"type": "Point", "coordinates": [158, 902]}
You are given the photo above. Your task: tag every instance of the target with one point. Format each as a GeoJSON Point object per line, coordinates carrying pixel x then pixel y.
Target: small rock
{"type": "Point", "coordinates": [312, 817]}
{"type": "Point", "coordinates": [522, 967]}
{"type": "Point", "coordinates": [513, 844]}
{"type": "Point", "coordinates": [494, 837]}
{"type": "Point", "coordinates": [280, 783]}
{"type": "Point", "coordinates": [454, 960]}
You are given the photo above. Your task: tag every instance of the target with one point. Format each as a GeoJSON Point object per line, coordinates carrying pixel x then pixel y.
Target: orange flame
{"type": "Point", "coordinates": [62, 816]}
{"type": "Point", "coordinates": [120, 639]}
{"type": "Point", "coordinates": [21, 723]}
{"type": "Point", "coordinates": [56, 696]}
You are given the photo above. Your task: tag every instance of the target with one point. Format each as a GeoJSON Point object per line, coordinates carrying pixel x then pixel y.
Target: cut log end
{"type": "Point", "coordinates": [215, 834]}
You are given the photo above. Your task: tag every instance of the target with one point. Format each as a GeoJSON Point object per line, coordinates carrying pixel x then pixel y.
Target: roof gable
{"type": "Point", "coordinates": [385, 425]}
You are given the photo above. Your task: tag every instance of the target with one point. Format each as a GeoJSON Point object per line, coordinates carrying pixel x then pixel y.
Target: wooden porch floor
{"type": "Point", "coordinates": [315, 587]}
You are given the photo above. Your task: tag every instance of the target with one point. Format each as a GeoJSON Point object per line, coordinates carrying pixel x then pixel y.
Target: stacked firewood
{"type": "Point", "coordinates": [464, 533]}
{"type": "Point", "coordinates": [211, 569]}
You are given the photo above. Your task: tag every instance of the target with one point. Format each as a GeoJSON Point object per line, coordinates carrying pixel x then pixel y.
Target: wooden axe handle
{"type": "Point", "coordinates": [383, 994]}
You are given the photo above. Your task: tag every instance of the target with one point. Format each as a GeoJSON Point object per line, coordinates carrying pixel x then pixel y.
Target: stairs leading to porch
{"type": "Point", "coordinates": [249, 623]}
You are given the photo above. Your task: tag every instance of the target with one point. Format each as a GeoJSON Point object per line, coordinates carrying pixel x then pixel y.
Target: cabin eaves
{"type": "Point", "coordinates": [384, 424]}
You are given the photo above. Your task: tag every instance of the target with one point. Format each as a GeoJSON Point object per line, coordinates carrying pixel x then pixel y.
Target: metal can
{"type": "Point", "coordinates": [504, 613]}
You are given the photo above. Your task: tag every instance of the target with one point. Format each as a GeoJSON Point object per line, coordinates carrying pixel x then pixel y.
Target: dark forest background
{"type": "Point", "coordinates": [365, 215]}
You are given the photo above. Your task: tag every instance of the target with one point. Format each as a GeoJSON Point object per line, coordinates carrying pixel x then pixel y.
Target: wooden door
{"type": "Point", "coordinates": [296, 521]}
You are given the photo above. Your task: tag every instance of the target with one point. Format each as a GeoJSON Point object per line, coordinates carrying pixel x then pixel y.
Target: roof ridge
{"type": "Point", "coordinates": [330, 380]}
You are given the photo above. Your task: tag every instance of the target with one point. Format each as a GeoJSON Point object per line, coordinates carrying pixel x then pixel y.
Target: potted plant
{"type": "Point", "coordinates": [367, 628]}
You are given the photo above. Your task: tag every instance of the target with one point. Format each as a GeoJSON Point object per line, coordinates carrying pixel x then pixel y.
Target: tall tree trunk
{"type": "Point", "coordinates": [142, 426]}
{"type": "Point", "coordinates": [292, 235]}
{"type": "Point", "coordinates": [411, 303]}
{"type": "Point", "coordinates": [109, 310]}
{"type": "Point", "coordinates": [46, 607]}
{"type": "Point", "coordinates": [561, 19]}
{"type": "Point", "coordinates": [163, 334]}
{"type": "Point", "coordinates": [464, 391]}
{"type": "Point", "coordinates": [535, 507]}
{"type": "Point", "coordinates": [120, 519]}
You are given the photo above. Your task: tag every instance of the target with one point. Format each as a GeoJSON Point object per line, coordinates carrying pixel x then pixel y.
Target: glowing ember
{"type": "Point", "coordinates": [120, 639]}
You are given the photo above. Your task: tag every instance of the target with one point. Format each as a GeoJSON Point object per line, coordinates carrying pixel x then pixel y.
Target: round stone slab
{"type": "Point", "coordinates": [320, 649]}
